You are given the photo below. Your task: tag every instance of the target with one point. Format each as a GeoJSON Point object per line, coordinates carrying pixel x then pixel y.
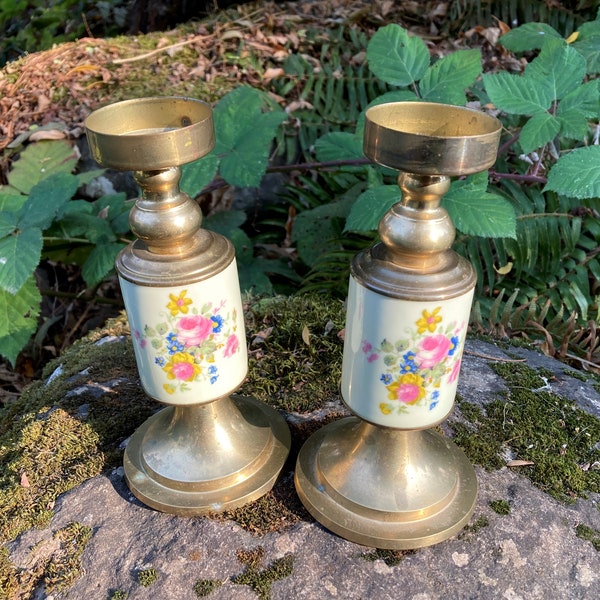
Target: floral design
{"type": "Point", "coordinates": [187, 338]}
{"type": "Point", "coordinates": [415, 366]}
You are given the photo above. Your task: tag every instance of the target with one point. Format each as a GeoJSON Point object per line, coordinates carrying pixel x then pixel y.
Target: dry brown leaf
{"type": "Point", "coordinates": [47, 134]}
{"type": "Point", "coordinates": [306, 335]}
{"type": "Point", "coordinates": [519, 463]}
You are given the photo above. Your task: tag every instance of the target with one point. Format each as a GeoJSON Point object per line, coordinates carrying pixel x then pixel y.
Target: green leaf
{"type": "Point", "coordinates": [11, 202]}
{"type": "Point", "coordinates": [88, 176]}
{"type": "Point", "coordinates": [447, 79]}
{"type": "Point", "coordinates": [46, 198]}
{"type": "Point", "coordinates": [340, 145]}
{"type": "Point", "coordinates": [538, 130]}
{"type": "Point", "coordinates": [397, 58]}
{"type": "Point", "coordinates": [530, 36]}
{"type": "Point", "coordinates": [560, 65]}
{"type": "Point", "coordinates": [225, 222]}
{"type": "Point", "coordinates": [518, 94]}
{"type": "Point", "coordinates": [573, 124]}
{"type": "Point", "coordinates": [588, 45]}
{"type": "Point", "coordinates": [475, 211]}
{"type": "Point", "coordinates": [18, 318]}
{"type": "Point", "coordinates": [370, 206]}
{"type": "Point", "coordinates": [576, 174]}
{"type": "Point", "coordinates": [316, 231]}
{"type": "Point", "coordinates": [100, 262]}
{"type": "Point", "coordinates": [19, 256]}
{"type": "Point", "coordinates": [8, 223]}
{"type": "Point", "coordinates": [195, 176]}
{"type": "Point", "coordinates": [245, 135]}
{"type": "Point", "coordinates": [584, 98]}
{"type": "Point", "coordinates": [40, 160]}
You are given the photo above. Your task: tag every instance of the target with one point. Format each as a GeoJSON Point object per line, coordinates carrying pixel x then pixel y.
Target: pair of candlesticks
{"type": "Point", "coordinates": [383, 477]}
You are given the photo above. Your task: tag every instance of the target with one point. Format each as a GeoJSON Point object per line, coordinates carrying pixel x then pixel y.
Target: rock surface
{"type": "Point", "coordinates": [533, 552]}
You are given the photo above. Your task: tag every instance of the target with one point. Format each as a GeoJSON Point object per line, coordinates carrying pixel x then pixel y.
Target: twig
{"type": "Point", "coordinates": [518, 177]}
{"type": "Point", "coordinates": [121, 61]}
{"type": "Point", "coordinates": [495, 358]}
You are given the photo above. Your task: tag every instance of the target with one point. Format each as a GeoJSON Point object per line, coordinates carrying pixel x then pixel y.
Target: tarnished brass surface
{"type": "Point", "coordinates": [427, 138]}
{"type": "Point", "coordinates": [384, 487]}
{"type": "Point", "coordinates": [210, 458]}
{"type": "Point", "coordinates": [148, 134]}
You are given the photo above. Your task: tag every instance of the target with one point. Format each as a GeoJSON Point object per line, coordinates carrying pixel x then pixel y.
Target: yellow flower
{"type": "Point", "coordinates": [429, 320]}
{"type": "Point", "coordinates": [182, 366]}
{"type": "Point", "coordinates": [385, 408]}
{"type": "Point", "coordinates": [179, 304]}
{"type": "Point", "coordinates": [170, 389]}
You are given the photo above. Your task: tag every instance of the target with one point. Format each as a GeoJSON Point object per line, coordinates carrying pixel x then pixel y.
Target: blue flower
{"type": "Point", "coordinates": [217, 323]}
{"type": "Point", "coordinates": [160, 361]}
{"type": "Point", "coordinates": [173, 344]}
{"type": "Point", "coordinates": [212, 369]}
{"type": "Point", "coordinates": [454, 341]}
{"type": "Point", "coordinates": [214, 378]}
{"type": "Point", "coordinates": [435, 397]}
{"type": "Point", "coordinates": [386, 378]}
{"type": "Point", "coordinates": [408, 365]}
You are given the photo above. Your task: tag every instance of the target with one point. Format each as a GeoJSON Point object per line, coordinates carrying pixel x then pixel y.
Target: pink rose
{"type": "Point", "coordinates": [454, 372]}
{"type": "Point", "coordinates": [231, 346]}
{"type": "Point", "coordinates": [432, 350]}
{"type": "Point", "coordinates": [193, 330]}
{"type": "Point", "coordinates": [183, 371]}
{"type": "Point", "coordinates": [408, 393]}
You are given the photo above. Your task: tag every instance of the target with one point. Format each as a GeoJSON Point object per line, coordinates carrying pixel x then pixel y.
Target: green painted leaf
{"type": "Point", "coordinates": [396, 57]}
{"type": "Point", "coordinates": [447, 79]}
{"type": "Point", "coordinates": [538, 131]}
{"type": "Point", "coordinates": [558, 64]}
{"type": "Point", "coordinates": [530, 36]}
{"type": "Point", "coordinates": [518, 94]}
{"type": "Point", "coordinates": [475, 211]}
{"type": "Point", "coordinates": [19, 256]}
{"type": "Point", "coordinates": [576, 174]}
{"type": "Point", "coordinates": [370, 206]}
{"type": "Point", "coordinates": [18, 318]}
{"type": "Point", "coordinates": [100, 262]}
{"type": "Point", "coordinates": [46, 198]}
{"type": "Point", "coordinates": [195, 176]}
{"type": "Point", "coordinates": [245, 133]}
{"type": "Point", "coordinates": [40, 160]}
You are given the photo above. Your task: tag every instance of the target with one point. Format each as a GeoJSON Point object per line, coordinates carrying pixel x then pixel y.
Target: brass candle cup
{"type": "Point", "coordinates": [209, 450]}
{"type": "Point", "coordinates": [384, 477]}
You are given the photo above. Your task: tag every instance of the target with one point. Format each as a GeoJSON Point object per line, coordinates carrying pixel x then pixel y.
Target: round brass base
{"type": "Point", "coordinates": [385, 488]}
{"type": "Point", "coordinates": [195, 460]}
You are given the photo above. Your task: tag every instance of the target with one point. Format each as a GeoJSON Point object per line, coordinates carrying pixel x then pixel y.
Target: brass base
{"type": "Point", "coordinates": [385, 488]}
{"type": "Point", "coordinates": [195, 460]}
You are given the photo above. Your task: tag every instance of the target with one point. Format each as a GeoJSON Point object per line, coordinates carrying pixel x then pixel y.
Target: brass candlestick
{"type": "Point", "coordinates": [383, 478]}
{"type": "Point", "coordinates": [207, 451]}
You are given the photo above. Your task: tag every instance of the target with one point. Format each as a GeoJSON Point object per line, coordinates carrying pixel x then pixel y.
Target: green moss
{"type": "Point", "coordinates": [65, 566]}
{"type": "Point", "coordinates": [261, 580]}
{"type": "Point", "coordinates": [533, 424]}
{"type": "Point", "coordinates": [295, 351]}
{"type": "Point", "coordinates": [51, 441]}
{"type": "Point", "coordinates": [205, 587]}
{"type": "Point", "coordinates": [392, 558]}
{"type": "Point", "coordinates": [117, 595]}
{"type": "Point", "coordinates": [591, 535]}
{"type": "Point", "coordinates": [53, 564]}
{"type": "Point", "coordinates": [502, 507]}
{"type": "Point", "coordinates": [147, 577]}
{"type": "Point", "coordinates": [474, 527]}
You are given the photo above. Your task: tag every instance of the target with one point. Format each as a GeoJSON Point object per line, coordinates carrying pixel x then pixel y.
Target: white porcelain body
{"type": "Point", "coordinates": [402, 358]}
{"type": "Point", "coordinates": [189, 340]}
